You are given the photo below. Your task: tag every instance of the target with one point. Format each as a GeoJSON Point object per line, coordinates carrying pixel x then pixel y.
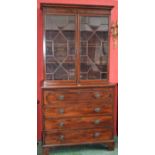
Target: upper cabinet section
{"type": "Point", "coordinates": [76, 43]}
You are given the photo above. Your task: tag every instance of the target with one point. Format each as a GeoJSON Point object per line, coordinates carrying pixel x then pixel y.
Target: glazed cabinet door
{"type": "Point", "coordinates": [59, 43]}
{"type": "Point", "coordinates": [94, 47]}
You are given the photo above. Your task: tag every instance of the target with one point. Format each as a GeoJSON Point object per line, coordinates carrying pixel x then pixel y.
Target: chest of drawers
{"type": "Point", "coordinates": [73, 116]}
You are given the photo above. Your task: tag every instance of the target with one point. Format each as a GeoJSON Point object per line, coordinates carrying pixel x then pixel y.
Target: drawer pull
{"type": "Point", "coordinates": [61, 97]}
{"type": "Point", "coordinates": [97, 134]}
{"type": "Point", "coordinates": [61, 124]}
{"type": "Point", "coordinates": [97, 95]}
{"type": "Point", "coordinates": [97, 110]}
{"type": "Point", "coordinates": [61, 111]}
{"type": "Point", "coordinates": [61, 137]}
{"type": "Point", "coordinates": [97, 122]}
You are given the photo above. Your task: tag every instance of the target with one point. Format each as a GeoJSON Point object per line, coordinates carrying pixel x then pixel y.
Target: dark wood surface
{"type": "Point", "coordinates": [45, 150]}
{"type": "Point", "coordinates": [89, 114]}
{"type": "Point", "coordinates": [77, 111]}
{"type": "Point", "coordinates": [78, 95]}
{"type": "Point", "coordinates": [77, 123]}
{"type": "Point", "coordinates": [77, 136]}
{"type": "Point", "coordinates": [74, 6]}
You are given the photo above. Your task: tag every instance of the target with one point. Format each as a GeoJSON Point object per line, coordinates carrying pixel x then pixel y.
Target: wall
{"type": "Point", "coordinates": [113, 51]}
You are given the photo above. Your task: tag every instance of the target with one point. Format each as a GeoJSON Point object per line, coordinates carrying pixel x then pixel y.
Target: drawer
{"type": "Point", "coordinates": [56, 97]}
{"type": "Point", "coordinates": [77, 110]}
{"type": "Point", "coordinates": [82, 102]}
{"type": "Point", "coordinates": [77, 136]}
{"type": "Point", "coordinates": [78, 123]}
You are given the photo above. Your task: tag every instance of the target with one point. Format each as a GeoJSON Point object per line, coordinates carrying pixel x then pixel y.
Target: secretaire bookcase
{"type": "Point", "coordinates": [77, 97]}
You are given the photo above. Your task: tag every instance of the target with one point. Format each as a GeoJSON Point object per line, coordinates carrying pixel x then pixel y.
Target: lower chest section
{"type": "Point", "coordinates": [75, 116]}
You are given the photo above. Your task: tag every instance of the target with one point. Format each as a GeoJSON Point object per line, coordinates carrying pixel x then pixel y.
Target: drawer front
{"type": "Point", "coordinates": [74, 96]}
{"type": "Point", "coordinates": [82, 103]}
{"type": "Point", "coordinates": [78, 123]}
{"type": "Point", "coordinates": [77, 136]}
{"type": "Point", "coordinates": [77, 110]}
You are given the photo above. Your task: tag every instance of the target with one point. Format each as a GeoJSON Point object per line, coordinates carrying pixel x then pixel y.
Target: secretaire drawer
{"type": "Point", "coordinates": [78, 123]}
{"type": "Point", "coordinates": [77, 110]}
{"type": "Point", "coordinates": [77, 136]}
{"type": "Point", "coordinates": [74, 96]}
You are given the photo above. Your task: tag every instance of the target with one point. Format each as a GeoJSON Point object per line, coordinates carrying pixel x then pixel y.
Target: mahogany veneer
{"type": "Point", "coordinates": [77, 99]}
{"type": "Point", "coordinates": [77, 136]}
{"type": "Point", "coordinates": [78, 122]}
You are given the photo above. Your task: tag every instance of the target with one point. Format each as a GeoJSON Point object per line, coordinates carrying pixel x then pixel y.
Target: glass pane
{"type": "Point", "coordinates": [94, 48]}
{"type": "Point", "coordinates": [60, 47]}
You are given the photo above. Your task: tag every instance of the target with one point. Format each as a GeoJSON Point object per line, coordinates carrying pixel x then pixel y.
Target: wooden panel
{"type": "Point", "coordinates": [81, 9]}
{"type": "Point", "coordinates": [102, 84]}
{"type": "Point", "coordinates": [50, 97]}
{"type": "Point", "coordinates": [77, 136]}
{"type": "Point", "coordinates": [81, 103]}
{"type": "Point", "coordinates": [59, 11]}
{"type": "Point", "coordinates": [78, 123]}
{"type": "Point", "coordinates": [77, 110]}
{"type": "Point", "coordinates": [93, 12]}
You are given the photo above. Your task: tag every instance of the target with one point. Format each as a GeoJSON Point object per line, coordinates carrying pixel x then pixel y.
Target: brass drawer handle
{"type": "Point", "coordinates": [97, 134]}
{"type": "Point", "coordinates": [97, 95]}
{"type": "Point", "coordinates": [97, 109]}
{"type": "Point", "coordinates": [96, 122]}
{"type": "Point", "coordinates": [61, 97]}
{"type": "Point", "coordinates": [61, 137]}
{"type": "Point", "coordinates": [61, 111]}
{"type": "Point", "coordinates": [61, 124]}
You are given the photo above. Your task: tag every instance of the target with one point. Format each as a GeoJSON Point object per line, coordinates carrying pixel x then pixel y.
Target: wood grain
{"type": "Point", "coordinates": [77, 110]}
{"type": "Point", "coordinates": [77, 95]}
{"type": "Point", "coordinates": [78, 123]}
{"type": "Point", "coordinates": [77, 136]}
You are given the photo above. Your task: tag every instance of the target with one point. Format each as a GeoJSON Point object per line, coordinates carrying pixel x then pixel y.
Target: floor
{"type": "Point", "coordinates": [81, 150]}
